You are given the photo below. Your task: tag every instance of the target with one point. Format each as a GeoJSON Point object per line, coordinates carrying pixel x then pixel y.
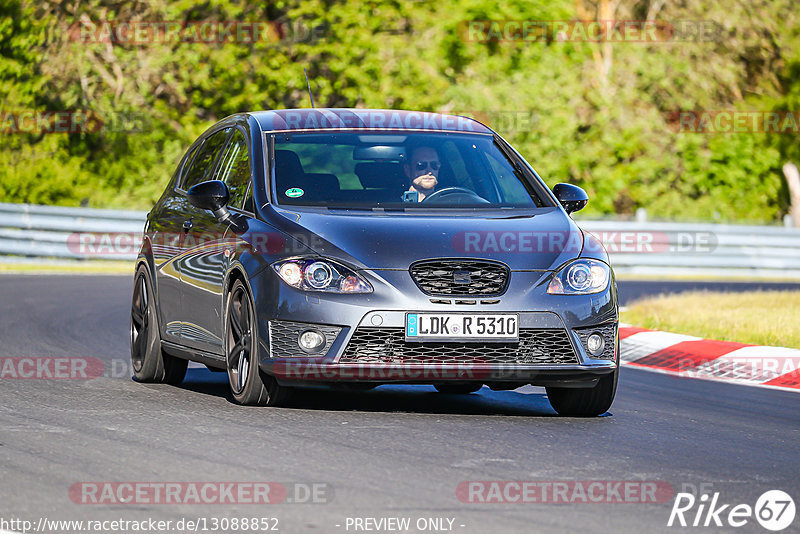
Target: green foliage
{"type": "Point", "coordinates": [580, 112]}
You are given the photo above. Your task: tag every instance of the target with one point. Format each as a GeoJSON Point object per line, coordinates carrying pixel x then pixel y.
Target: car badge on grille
{"type": "Point", "coordinates": [462, 277]}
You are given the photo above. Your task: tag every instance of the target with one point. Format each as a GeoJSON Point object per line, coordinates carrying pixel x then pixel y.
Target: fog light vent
{"type": "Point", "coordinates": [311, 341]}
{"type": "Point", "coordinates": [288, 339]}
{"type": "Point", "coordinates": [600, 341]}
{"type": "Point", "coordinates": [595, 344]}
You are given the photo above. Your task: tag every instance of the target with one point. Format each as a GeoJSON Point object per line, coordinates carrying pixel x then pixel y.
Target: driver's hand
{"type": "Point", "coordinates": [426, 181]}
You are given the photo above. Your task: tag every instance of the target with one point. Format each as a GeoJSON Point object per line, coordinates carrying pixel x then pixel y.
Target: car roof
{"type": "Point", "coordinates": [326, 119]}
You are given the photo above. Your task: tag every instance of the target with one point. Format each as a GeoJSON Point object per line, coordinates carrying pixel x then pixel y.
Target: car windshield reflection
{"type": "Point", "coordinates": [392, 171]}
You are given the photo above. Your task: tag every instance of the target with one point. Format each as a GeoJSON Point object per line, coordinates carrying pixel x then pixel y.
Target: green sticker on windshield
{"type": "Point", "coordinates": [294, 192]}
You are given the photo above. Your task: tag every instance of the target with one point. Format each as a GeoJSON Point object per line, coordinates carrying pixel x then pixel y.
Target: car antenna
{"type": "Point", "coordinates": [309, 88]}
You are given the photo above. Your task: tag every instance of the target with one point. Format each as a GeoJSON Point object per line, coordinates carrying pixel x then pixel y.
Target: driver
{"type": "Point", "coordinates": [422, 168]}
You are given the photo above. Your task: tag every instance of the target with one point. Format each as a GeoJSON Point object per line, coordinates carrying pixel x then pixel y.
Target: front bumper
{"type": "Point", "coordinates": [346, 320]}
{"type": "Point", "coordinates": [316, 372]}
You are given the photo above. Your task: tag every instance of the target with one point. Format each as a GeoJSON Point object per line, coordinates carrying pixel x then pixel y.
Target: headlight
{"type": "Point", "coordinates": [320, 275]}
{"type": "Point", "coordinates": [581, 277]}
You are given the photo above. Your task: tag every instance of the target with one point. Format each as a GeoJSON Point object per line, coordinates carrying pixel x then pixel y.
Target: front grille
{"type": "Point", "coordinates": [609, 333]}
{"type": "Point", "coordinates": [388, 345]}
{"type": "Point", "coordinates": [283, 336]}
{"type": "Point", "coordinates": [477, 278]}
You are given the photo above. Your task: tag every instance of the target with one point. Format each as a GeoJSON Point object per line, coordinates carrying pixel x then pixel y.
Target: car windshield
{"type": "Point", "coordinates": [399, 170]}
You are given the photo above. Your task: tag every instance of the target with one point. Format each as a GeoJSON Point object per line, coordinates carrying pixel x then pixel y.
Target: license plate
{"type": "Point", "coordinates": [462, 327]}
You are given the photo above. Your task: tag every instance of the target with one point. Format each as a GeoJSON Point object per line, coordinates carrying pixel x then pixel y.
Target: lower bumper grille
{"type": "Point", "coordinates": [283, 336]}
{"type": "Point", "coordinates": [609, 333]}
{"type": "Point", "coordinates": [388, 345]}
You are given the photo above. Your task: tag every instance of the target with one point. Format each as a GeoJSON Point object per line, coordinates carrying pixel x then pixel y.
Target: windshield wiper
{"type": "Point", "coordinates": [389, 208]}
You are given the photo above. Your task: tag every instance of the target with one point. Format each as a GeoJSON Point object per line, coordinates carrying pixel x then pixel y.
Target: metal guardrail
{"type": "Point", "coordinates": [647, 248]}
{"type": "Point", "coordinates": [47, 231]}
{"type": "Point", "coordinates": [724, 250]}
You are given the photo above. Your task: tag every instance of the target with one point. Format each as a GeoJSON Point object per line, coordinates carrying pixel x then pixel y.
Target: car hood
{"type": "Point", "coordinates": [541, 239]}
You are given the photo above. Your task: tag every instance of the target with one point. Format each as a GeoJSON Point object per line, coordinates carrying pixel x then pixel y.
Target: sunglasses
{"type": "Point", "coordinates": [422, 165]}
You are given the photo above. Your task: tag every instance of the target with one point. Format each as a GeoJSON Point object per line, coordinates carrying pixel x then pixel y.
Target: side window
{"type": "Point", "coordinates": [201, 168]}
{"type": "Point", "coordinates": [234, 169]}
{"type": "Point", "coordinates": [183, 166]}
{"type": "Point", "coordinates": [248, 201]}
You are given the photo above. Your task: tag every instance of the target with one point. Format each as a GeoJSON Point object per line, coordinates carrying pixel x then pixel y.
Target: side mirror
{"type": "Point", "coordinates": [572, 197]}
{"type": "Point", "coordinates": [213, 196]}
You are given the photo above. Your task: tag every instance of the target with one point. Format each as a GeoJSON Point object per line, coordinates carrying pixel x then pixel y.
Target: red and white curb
{"type": "Point", "coordinates": [694, 357]}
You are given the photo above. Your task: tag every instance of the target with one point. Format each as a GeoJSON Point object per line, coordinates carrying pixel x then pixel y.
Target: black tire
{"type": "Point", "coordinates": [150, 363]}
{"type": "Point", "coordinates": [585, 402]}
{"type": "Point", "coordinates": [249, 385]}
{"type": "Point", "coordinates": [458, 389]}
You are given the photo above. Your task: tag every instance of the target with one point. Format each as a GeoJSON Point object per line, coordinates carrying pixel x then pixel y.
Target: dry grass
{"type": "Point", "coordinates": [704, 277]}
{"type": "Point", "coordinates": [758, 317]}
{"type": "Point", "coordinates": [77, 267]}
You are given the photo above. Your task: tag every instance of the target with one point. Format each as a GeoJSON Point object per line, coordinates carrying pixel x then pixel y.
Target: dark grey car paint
{"type": "Point", "coordinates": [191, 280]}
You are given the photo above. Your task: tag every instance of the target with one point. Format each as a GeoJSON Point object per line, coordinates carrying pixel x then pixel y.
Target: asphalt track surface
{"type": "Point", "coordinates": [396, 451]}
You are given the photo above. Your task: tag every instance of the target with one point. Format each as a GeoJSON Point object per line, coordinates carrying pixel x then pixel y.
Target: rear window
{"type": "Point", "coordinates": [405, 170]}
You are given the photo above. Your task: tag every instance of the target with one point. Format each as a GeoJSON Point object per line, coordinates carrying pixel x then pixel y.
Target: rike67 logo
{"type": "Point", "coordinates": [774, 510]}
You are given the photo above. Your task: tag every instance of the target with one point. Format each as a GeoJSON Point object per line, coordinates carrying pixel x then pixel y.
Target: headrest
{"type": "Point", "coordinates": [322, 182]}
{"type": "Point", "coordinates": [380, 175]}
{"type": "Point", "coordinates": [287, 165]}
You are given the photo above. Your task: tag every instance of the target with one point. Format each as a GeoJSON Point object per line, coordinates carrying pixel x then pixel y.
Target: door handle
{"type": "Point", "coordinates": [187, 225]}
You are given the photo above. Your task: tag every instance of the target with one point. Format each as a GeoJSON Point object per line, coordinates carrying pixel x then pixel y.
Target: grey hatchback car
{"type": "Point", "coordinates": [354, 248]}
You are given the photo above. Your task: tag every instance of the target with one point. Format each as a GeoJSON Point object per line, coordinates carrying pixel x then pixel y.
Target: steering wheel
{"type": "Point", "coordinates": [453, 192]}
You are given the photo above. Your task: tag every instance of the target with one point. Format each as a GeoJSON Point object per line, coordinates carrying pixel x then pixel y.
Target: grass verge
{"type": "Point", "coordinates": [77, 267]}
{"type": "Point", "coordinates": [757, 317]}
